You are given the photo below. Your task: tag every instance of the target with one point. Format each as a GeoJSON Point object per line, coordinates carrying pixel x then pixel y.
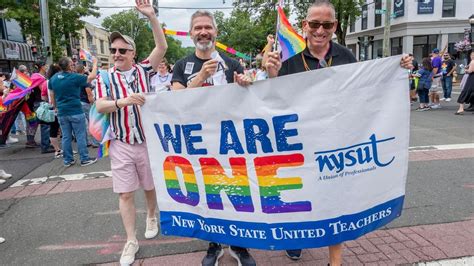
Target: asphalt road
{"type": "Point", "coordinates": [85, 227]}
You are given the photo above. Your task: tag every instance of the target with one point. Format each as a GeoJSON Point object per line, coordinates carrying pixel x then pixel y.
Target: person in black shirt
{"type": "Point", "coordinates": [207, 67]}
{"type": "Point", "coordinates": [447, 68]}
{"type": "Point", "coordinates": [320, 25]}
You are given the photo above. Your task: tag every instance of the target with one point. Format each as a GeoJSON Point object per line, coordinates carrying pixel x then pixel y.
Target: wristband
{"type": "Point", "coordinates": [116, 104]}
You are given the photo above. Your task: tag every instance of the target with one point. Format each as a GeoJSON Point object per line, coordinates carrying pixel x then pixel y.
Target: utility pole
{"type": "Point", "coordinates": [46, 31]}
{"type": "Point", "coordinates": [386, 31]}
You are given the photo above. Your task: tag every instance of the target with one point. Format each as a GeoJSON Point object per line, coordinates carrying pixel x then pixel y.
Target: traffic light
{"type": "Point", "coordinates": [34, 50]}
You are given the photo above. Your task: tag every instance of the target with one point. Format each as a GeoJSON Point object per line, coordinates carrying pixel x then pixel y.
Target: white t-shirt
{"type": "Point", "coordinates": [161, 83]}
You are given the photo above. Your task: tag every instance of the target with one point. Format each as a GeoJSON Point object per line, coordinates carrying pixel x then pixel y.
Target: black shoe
{"type": "Point", "coordinates": [242, 256]}
{"type": "Point", "coordinates": [49, 150]}
{"type": "Point", "coordinates": [214, 253]}
{"type": "Point", "coordinates": [89, 162]}
{"type": "Point", "coordinates": [469, 109]}
{"type": "Point", "coordinates": [294, 254]}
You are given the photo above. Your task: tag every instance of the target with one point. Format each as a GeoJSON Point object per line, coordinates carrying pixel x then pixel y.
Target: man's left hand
{"type": "Point", "coordinates": [242, 79]}
{"type": "Point", "coordinates": [406, 62]}
{"type": "Point", "coordinates": [144, 7]}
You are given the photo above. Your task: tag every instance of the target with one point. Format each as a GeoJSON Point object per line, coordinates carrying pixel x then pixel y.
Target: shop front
{"type": "Point", "coordinates": [13, 54]}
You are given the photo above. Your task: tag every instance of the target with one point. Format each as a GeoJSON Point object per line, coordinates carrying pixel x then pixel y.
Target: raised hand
{"type": "Point", "coordinates": [144, 7]}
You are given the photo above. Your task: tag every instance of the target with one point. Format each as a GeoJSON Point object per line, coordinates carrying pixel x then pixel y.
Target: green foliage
{"type": "Point", "coordinates": [64, 17]}
{"type": "Point", "coordinates": [248, 26]}
{"type": "Point", "coordinates": [346, 12]}
{"type": "Point", "coordinates": [128, 22]}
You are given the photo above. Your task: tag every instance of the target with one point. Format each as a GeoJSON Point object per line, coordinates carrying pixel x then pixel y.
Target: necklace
{"type": "Point", "coordinates": [306, 67]}
{"type": "Point", "coordinates": [165, 78]}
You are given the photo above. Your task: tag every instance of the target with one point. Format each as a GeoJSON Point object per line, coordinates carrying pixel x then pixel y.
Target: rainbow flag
{"type": "Point", "coordinates": [21, 80]}
{"type": "Point", "coordinates": [290, 41]}
{"type": "Point", "coordinates": [103, 150]}
{"type": "Point", "coordinates": [85, 55]}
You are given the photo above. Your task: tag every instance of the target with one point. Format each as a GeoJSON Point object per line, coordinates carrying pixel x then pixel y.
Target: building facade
{"type": "Point", "coordinates": [14, 50]}
{"type": "Point", "coordinates": [94, 39]}
{"type": "Point", "coordinates": [417, 26]}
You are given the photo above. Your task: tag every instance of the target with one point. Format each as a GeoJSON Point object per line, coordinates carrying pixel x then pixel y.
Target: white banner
{"type": "Point", "coordinates": [300, 161]}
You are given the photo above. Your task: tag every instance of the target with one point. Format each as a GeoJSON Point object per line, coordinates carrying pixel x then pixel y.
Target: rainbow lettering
{"type": "Point", "coordinates": [270, 185]}
{"type": "Point", "coordinates": [172, 183]}
{"type": "Point", "coordinates": [236, 187]}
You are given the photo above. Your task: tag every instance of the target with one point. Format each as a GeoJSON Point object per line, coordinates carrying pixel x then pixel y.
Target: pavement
{"type": "Point", "coordinates": [52, 215]}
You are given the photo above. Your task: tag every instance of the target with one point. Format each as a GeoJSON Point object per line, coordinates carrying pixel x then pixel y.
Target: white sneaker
{"type": "Point", "coordinates": [2, 240]}
{"type": "Point", "coordinates": [11, 140]}
{"type": "Point", "coordinates": [151, 228]}
{"type": "Point", "coordinates": [2, 181]}
{"type": "Point", "coordinates": [448, 99]}
{"type": "Point", "coordinates": [4, 175]}
{"type": "Point", "coordinates": [442, 99]}
{"type": "Point", "coordinates": [128, 253]}
{"type": "Point", "coordinates": [436, 106]}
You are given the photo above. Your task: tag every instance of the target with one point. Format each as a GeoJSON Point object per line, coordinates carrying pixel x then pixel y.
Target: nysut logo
{"type": "Point", "coordinates": [356, 155]}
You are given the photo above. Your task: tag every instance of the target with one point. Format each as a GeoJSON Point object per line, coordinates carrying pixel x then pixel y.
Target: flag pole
{"type": "Point", "coordinates": [275, 45]}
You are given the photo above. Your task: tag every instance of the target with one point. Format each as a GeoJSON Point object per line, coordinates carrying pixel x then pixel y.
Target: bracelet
{"type": "Point", "coordinates": [116, 104]}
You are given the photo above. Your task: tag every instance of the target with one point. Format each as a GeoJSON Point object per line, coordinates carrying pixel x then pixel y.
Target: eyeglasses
{"type": "Point", "coordinates": [121, 50]}
{"type": "Point", "coordinates": [317, 24]}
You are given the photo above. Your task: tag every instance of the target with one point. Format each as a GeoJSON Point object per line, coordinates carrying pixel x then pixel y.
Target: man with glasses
{"type": "Point", "coordinates": [121, 93]}
{"type": "Point", "coordinates": [320, 25]}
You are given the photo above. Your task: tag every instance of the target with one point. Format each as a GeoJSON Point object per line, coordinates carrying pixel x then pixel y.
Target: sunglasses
{"type": "Point", "coordinates": [121, 50]}
{"type": "Point", "coordinates": [317, 24]}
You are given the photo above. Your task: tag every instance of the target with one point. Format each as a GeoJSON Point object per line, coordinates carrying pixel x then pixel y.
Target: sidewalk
{"type": "Point", "coordinates": [405, 245]}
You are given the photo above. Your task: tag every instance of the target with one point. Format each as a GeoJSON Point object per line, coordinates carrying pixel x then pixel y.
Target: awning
{"type": "Point", "coordinates": [15, 51]}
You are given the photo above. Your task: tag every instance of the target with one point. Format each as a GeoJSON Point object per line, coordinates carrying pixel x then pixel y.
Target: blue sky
{"type": "Point", "coordinates": [175, 19]}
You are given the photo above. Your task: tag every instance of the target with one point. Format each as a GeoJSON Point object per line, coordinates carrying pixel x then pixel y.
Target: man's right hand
{"type": "Point", "coordinates": [135, 98]}
{"type": "Point", "coordinates": [208, 69]}
{"type": "Point", "coordinates": [273, 64]}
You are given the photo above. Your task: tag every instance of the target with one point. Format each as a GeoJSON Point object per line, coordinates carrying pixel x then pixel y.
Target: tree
{"type": "Point", "coordinates": [248, 26]}
{"type": "Point", "coordinates": [347, 12]}
{"type": "Point", "coordinates": [64, 19]}
{"type": "Point", "coordinates": [128, 22]}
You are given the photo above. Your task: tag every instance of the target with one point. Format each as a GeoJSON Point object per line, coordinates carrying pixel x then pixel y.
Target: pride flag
{"type": "Point", "coordinates": [290, 41]}
{"type": "Point", "coordinates": [85, 55]}
{"type": "Point", "coordinates": [21, 80]}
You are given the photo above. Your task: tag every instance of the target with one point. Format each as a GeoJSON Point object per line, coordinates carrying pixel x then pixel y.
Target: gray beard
{"type": "Point", "coordinates": [204, 47]}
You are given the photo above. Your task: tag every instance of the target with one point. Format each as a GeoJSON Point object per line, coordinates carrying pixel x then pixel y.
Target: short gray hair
{"type": "Point", "coordinates": [202, 13]}
{"type": "Point", "coordinates": [326, 3]}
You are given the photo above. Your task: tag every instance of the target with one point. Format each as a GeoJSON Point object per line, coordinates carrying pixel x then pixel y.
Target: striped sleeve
{"type": "Point", "coordinates": [100, 89]}
{"type": "Point", "coordinates": [146, 65]}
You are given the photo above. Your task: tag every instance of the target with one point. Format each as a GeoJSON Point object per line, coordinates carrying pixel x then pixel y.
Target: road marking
{"type": "Point", "coordinates": [113, 245]}
{"type": "Point", "coordinates": [61, 178]}
{"type": "Point", "coordinates": [442, 147]}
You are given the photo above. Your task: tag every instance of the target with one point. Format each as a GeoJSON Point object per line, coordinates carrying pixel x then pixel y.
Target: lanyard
{"type": "Point", "coordinates": [306, 67]}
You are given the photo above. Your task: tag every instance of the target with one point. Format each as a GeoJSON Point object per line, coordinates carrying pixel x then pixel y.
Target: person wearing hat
{"type": "Point", "coordinates": [436, 63]}
{"type": "Point", "coordinates": [121, 94]}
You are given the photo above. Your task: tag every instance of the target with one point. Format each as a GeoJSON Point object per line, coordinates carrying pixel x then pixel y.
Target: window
{"type": "Point", "coordinates": [397, 46]}
{"type": "Point", "coordinates": [352, 26]}
{"type": "Point", "coordinates": [378, 17]}
{"type": "Point", "coordinates": [2, 30]}
{"type": "Point", "coordinates": [377, 49]}
{"type": "Point", "coordinates": [423, 45]}
{"type": "Point", "coordinates": [13, 30]}
{"type": "Point", "coordinates": [102, 49]}
{"type": "Point", "coordinates": [364, 17]}
{"type": "Point", "coordinates": [449, 8]}
{"type": "Point", "coordinates": [89, 39]}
